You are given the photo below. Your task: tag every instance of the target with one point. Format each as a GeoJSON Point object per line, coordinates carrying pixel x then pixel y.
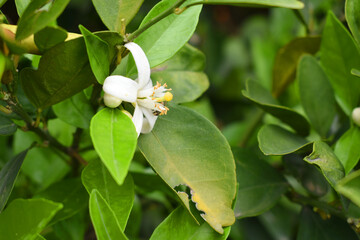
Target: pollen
{"type": "Point", "coordinates": [168, 96]}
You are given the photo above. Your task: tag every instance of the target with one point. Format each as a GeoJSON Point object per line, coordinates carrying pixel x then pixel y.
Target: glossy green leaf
{"type": "Point", "coordinates": [119, 198]}
{"type": "Point", "coordinates": [287, 59]}
{"type": "Point", "coordinates": [263, 99]}
{"type": "Point", "coordinates": [260, 186]}
{"type": "Point", "coordinates": [7, 127]}
{"type": "Point", "coordinates": [73, 228]}
{"type": "Point", "coordinates": [186, 149]}
{"type": "Point", "coordinates": [98, 53]}
{"type": "Point", "coordinates": [315, 90]}
{"type": "Point", "coordinates": [41, 165]}
{"type": "Point", "coordinates": [294, 4]}
{"type": "Point", "coordinates": [112, 12]}
{"type": "Point", "coordinates": [186, 86]}
{"type": "Point", "coordinates": [162, 40]}
{"type": "Point", "coordinates": [103, 218]}
{"type": "Point", "coordinates": [275, 140]}
{"type": "Point", "coordinates": [76, 111]}
{"type": "Point", "coordinates": [183, 73]}
{"type": "Point", "coordinates": [21, 5]}
{"type": "Point", "coordinates": [170, 228]}
{"type": "Point", "coordinates": [63, 71]}
{"type": "Point", "coordinates": [350, 187]}
{"type": "Point", "coordinates": [338, 56]}
{"type": "Point", "coordinates": [352, 8]}
{"type": "Point", "coordinates": [24, 219]}
{"type": "Point", "coordinates": [49, 37]}
{"type": "Point", "coordinates": [347, 148]}
{"type": "Point", "coordinates": [37, 15]}
{"type": "Point", "coordinates": [8, 176]}
{"type": "Point", "coordinates": [313, 227]}
{"type": "Point", "coordinates": [324, 157]}
{"type": "Point", "coordinates": [71, 193]}
{"type": "Point", "coordinates": [114, 138]}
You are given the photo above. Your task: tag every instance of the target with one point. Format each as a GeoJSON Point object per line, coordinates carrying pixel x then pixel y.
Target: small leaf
{"type": "Point", "coordinates": [70, 193]}
{"type": "Point", "coordinates": [263, 99]}
{"type": "Point", "coordinates": [119, 198]}
{"type": "Point", "coordinates": [7, 127]}
{"type": "Point", "coordinates": [49, 37]}
{"type": "Point", "coordinates": [347, 148]}
{"type": "Point", "coordinates": [112, 12]}
{"type": "Point", "coordinates": [352, 8]}
{"type": "Point", "coordinates": [103, 218]}
{"type": "Point", "coordinates": [24, 219]}
{"type": "Point", "coordinates": [287, 59]}
{"type": "Point", "coordinates": [114, 137]}
{"type": "Point", "coordinates": [162, 40]}
{"type": "Point", "coordinates": [313, 227]}
{"type": "Point", "coordinates": [338, 56]}
{"type": "Point", "coordinates": [98, 53]}
{"type": "Point", "coordinates": [350, 187]}
{"type": "Point", "coordinates": [169, 228]}
{"type": "Point", "coordinates": [326, 160]}
{"type": "Point", "coordinates": [184, 148]}
{"type": "Point", "coordinates": [260, 186]}
{"type": "Point", "coordinates": [274, 140]}
{"type": "Point", "coordinates": [76, 111]}
{"type": "Point", "coordinates": [294, 4]}
{"type": "Point", "coordinates": [37, 15]}
{"type": "Point", "coordinates": [315, 90]}
{"type": "Point", "coordinates": [21, 5]}
{"type": "Point", "coordinates": [8, 176]}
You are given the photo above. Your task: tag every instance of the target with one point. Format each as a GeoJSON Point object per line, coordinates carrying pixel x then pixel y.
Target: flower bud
{"type": "Point", "coordinates": [111, 101]}
{"type": "Point", "coordinates": [356, 116]}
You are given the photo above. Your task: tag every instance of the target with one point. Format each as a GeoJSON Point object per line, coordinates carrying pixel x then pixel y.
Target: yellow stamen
{"type": "Point", "coordinates": [168, 96]}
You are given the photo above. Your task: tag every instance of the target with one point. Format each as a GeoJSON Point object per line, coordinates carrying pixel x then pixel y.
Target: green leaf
{"type": "Point", "coordinates": [162, 40]}
{"type": "Point", "coordinates": [186, 86]}
{"type": "Point", "coordinates": [260, 186]}
{"type": "Point", "coordinates": [21, 5]}
{"type": "Point", "coordinates": [324, 157]}
{"type": "Point", "coordinates": [8, 176]}
{"type": "Point", "coordinates": [315, 90]}
{"type": "Point", "coordinates": [49, 37]}
{"type": "Point", "coordinates": [2, 2]}
{"type": "Point", "coordinates": [350, 187]}
{"type": "Point", "coordinates": [103, 218]}
{"type": "Point", "coordinates": [7, 127]}
{"type": "Point", "coordinates": [64, 70]}
{"type": "Point", "coordinates": [112, 12]}
{"type": "Point", "coordinates": [287, 60]}
{"type": "Point", "coordinates": [170, 228]}
{"type": "Point", "coordinates": [98, 53]}
{"type": "Point", "coordinates": [41, 165]}
{"type": "Point", "coordinates": [183, 73]}
{"type": "Point", "coordinates": [263, 99]}
{"type": "Point", "coordinates": [294, 4]}
{"type": "Point", "coordinates": [338, 56]}
{"type": "Point", "coordinates": [76, 111]}
{"type": "Point", "coordinates": [114, 138]}
{"type": "Point", "coordinates": [119, 198]}
{"type": "Point", "coordinates": [352, 8]}
{"type": "Point", "coordinates": [70, 193]}
{"type": "Point", "coordinates": [37, 15]}
{"type": "Point", "coordinates": [347, 148]}
{"type": "Point", "coordinates": [24, 219]}
{"type": "Point", "coordinates": [275, 140]}
{"type": "Point", "coordinates": [184, 148]}
{"type": "Point", "coordinates": [313, 227]}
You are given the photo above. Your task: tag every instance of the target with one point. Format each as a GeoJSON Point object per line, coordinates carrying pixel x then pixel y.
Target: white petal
{"type": "Point", "coordinates": [149, 120]}
{"type": "Point", "coordinates": [121, 87]}
{"type": "Point", "coordinates": [141, 62]}
{"type": "Point", "coordinates": [138, 119]}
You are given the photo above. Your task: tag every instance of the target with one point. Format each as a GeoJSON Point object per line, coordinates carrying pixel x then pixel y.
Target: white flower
{"type": "Point", "coordinates": [147, 99]}
{"type": "Point", "coordinates": [356, 116]}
